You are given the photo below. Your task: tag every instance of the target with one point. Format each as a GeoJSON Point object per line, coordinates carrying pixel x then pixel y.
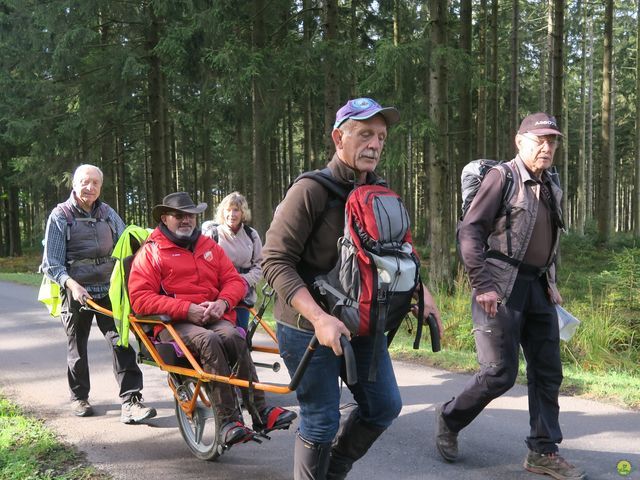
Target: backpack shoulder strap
{"type": "Point", "coordinates": [507, 187]}
{"type": "Point", "coordinates": [338, 192]}
{"type": "Point", "coordinates": [507, 192]}
{"type": "Point", "coordinates": [248, 230]}
{"type": "Point", "coordinates": [68, 215]}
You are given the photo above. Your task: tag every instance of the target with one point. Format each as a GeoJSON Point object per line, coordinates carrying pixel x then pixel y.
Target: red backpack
{"type": "Point", "coordinates": [372, 285]}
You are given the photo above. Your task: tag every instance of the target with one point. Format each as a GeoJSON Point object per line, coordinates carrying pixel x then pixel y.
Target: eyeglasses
{"type": "Point", "coordinates": [551, 140]}
{"type": "Point", "coordinates": [181, 215]}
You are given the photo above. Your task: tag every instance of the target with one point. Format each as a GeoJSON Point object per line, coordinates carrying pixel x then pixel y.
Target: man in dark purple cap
{"type": "Point", "coordinates": [301, 244]}
{"type": "Point", "coordinates": [509, 250]}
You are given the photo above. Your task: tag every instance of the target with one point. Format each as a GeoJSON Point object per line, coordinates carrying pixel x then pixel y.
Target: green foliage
{"type": "Point", "coordinates": [30, 451]}
{"type": "Point", "coordinates": [600, 286]}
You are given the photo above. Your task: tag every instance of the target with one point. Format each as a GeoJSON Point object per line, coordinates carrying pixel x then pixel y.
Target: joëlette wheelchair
{"type": "Point", "coordinates": [192, 387]}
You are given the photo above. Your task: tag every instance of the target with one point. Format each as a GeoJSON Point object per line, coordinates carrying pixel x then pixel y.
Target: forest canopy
{"type": "Point", "coordinates": [211, 96]}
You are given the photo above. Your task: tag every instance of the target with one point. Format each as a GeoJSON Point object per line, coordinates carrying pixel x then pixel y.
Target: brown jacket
{"type": "Point", "coordinates": [483, 229]}
{"type": "Point", "coordinates": [302, 240]}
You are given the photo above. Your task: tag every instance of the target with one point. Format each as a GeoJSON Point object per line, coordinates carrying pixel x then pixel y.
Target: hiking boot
{"type": "Point", "coordinates": [235, 432]}
{"type": "Point", "coordinates": [81, 408]}
{"type": "Point", "coordinates": [553, 465]}
{"type": "Point", "coordinates": [446, 440]}
{"type": "Point", "coordinates": [134, 411]}
{"type": "Point", "coordinates": [274, 418]}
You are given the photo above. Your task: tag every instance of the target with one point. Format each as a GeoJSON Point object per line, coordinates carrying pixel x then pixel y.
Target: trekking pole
{"type": "Point", "coordinates": [349, 358]}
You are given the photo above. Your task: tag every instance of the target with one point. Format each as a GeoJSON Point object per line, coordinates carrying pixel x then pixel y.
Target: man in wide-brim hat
{"type": "Point", "coordinates": [186, 275]}
{"type": "Point", "coordinates": [177, 202]}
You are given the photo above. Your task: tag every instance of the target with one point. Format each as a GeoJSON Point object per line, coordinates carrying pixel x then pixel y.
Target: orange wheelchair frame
{"type": "Point", "coordinates": [192, 387]}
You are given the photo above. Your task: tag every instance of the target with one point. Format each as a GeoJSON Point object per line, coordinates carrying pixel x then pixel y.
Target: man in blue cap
{"type": "Point", "coordinates": [300, 245]}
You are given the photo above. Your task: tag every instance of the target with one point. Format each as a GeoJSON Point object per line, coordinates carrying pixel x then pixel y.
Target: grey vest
{"type": "Point", "coordinates": [89, 245]}
{"type": "Point", "coordinates": [525, 202]}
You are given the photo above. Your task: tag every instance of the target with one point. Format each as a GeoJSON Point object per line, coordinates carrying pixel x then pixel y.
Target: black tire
{"type": "Point", "coordinates": [202, 431]}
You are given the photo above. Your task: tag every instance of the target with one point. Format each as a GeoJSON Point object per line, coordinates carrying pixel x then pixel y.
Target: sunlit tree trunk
{"type": "Point", "coordinates": [590, 183]}
{"type": "Point", "coordinates": [605, 194]}
{"type": "Point", "coordinates": [581, 197]}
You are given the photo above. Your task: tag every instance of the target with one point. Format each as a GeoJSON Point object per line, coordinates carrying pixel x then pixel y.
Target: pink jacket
{"type": "Point", "coordinates": [166, 278]}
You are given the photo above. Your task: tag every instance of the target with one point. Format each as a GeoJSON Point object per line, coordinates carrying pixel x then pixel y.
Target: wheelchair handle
{"type": "Point", "coordinates": [434, 333]}
{"type": "Point", "coordinates": [349, 357]}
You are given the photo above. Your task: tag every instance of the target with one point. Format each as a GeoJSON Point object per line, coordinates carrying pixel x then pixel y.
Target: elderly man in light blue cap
{"type": "Point", "coordinates": [300, 245]}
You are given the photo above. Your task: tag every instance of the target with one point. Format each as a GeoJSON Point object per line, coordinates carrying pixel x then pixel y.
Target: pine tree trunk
{"type": "Point", "coordinates": [581, 197]}
{"type": "Point", "coordinates": [481, 119]}
{"type": "Point", "coordinates": [514, 77]}
{"type": "Point", "coordinates": [636, 197]}
{"type": "Point", "coordinates": [466, 129]}
{"type": "Point", "coordinates": [605, 194]}
{"type": "Point", "coordinates": [331, 101]}
{"type": "Point", "coordinates": [260, 142]}
{"type": "Point", "coordinates": [590, 184]}
{"type": "Point", "coordinates": [494, 103]}
{"type": "Point", "coordinates": [158, 161]}
{"type": "Point", "coordinates": [438, 165]}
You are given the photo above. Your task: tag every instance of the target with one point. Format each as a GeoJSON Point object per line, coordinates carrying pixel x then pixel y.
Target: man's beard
{"type": "Point", "coordinates": [183, 234]}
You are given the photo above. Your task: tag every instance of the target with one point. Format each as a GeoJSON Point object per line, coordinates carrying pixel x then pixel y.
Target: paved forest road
{"type": "Point", "coordinates": [33, 373]}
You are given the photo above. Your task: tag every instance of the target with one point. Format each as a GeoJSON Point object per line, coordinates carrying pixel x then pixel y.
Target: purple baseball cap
{"type": "Point", "coordinates": [364, 108]}
{"type": "Point", "coordinates": [539, 124]}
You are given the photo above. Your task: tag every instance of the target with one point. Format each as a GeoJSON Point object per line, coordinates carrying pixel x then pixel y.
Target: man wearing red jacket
{"type": "Point", "coordinates": [186, 275]}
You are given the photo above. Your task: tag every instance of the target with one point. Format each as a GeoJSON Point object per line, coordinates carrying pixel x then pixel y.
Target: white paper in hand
{"type": "Point", "coordinates": [567, 323]}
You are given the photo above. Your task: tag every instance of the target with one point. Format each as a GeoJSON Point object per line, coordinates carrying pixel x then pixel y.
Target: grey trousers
{"type": "Point", "coordinates": [219, 346]}
{"type": "Point", "coordinates": [77, 324]}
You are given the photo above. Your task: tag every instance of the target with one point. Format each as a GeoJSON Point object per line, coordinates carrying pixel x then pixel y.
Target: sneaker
{"type": "Point", "coordinates": [81, 408]}
{"type": "Point", "coordinates": [446, 440]}
{"type": "Point", "coordinates": [235, 432]}
{"type": "Point", "coordinates": [274, 418]}
{"type": "Point", "coordinates": [553, 465]}
{"type": "Point", "coordinates": [135, 411]}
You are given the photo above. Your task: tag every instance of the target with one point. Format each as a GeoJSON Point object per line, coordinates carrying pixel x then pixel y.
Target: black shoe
{"type": "Point", "coordinates": [235, 432]}
{"type": "Point", "coordinates": [446, 440]}
{"type": "Point", "coordinates": [274, 418]}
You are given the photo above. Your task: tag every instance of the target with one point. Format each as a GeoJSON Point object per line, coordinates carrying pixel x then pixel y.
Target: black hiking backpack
{"type": "Point", "coordinates": [471, 177]}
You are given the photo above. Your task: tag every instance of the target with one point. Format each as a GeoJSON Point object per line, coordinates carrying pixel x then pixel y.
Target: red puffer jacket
{"type": "Point", "coordinates": [166, 278]}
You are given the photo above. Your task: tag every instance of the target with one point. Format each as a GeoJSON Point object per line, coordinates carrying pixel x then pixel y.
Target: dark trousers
{"type": "Point", "coordinates": [77, 324]}
{"type": "Point", "coordinates": [530, 320]}
{"type": "Point", "coordinates": [219, 346]}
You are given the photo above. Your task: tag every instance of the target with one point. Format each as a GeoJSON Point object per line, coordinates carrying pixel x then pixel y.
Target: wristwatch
{"type": "Point", "coordinates": [228, 307]}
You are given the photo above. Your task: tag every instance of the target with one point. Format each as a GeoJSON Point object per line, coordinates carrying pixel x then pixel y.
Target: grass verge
{"type": "Point", "coordinates": [30, 451]}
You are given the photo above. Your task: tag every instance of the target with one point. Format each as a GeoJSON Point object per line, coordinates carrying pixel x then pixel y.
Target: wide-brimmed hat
{"type": "Point", "coordinates": [363, 109]}
{"type": "Point", "coordinates": [539, 124]}
{"type": "Point", "coordinates": [177, 202]}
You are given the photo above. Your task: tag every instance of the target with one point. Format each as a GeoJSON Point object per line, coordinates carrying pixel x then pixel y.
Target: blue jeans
{"type": "Point", "coordinates": [319, 391]}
